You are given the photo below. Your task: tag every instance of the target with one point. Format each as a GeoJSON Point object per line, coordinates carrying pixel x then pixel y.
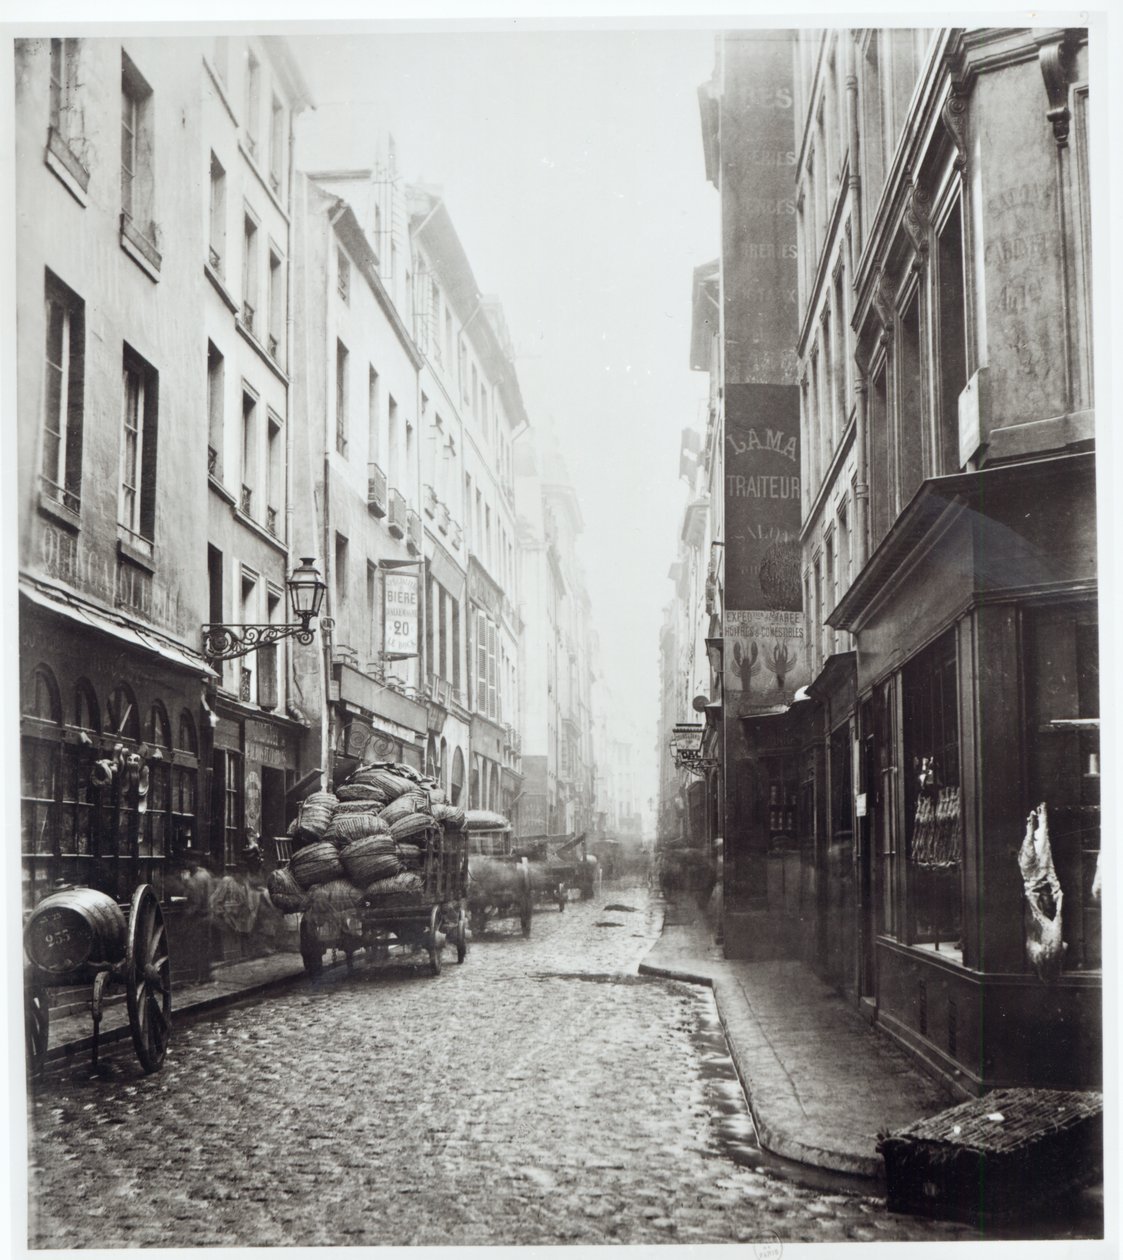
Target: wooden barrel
{"type": "Point", "coordinates": [73, 928]}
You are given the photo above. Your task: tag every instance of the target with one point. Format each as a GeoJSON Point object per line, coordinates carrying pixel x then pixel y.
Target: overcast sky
{"type": "Point", "coordinates": [571, 163]}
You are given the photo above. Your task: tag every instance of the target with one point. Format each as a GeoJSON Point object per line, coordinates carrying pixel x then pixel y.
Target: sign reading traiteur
{"type": "Point", "coordinates": [399, 620]}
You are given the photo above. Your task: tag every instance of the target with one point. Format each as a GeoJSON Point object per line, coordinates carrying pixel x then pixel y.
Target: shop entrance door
{"type": "Point", "coordinates": [272, 808]}
{"type": "Point", "coordinates": [863, 823]}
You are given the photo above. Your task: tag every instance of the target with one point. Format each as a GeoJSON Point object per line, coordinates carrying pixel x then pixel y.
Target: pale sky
{"type": "Point", "coordinates": [571, 163]}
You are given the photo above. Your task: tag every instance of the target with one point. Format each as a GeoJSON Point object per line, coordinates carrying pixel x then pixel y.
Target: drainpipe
{"type": "Point", "coordinates": [290, 436]}
{"type": "Point", "coordinates": [854, 180]}
{"type": "Point", "coordinates": [862, 488]}
{"type": "Point", "coordinates": [327, 742]}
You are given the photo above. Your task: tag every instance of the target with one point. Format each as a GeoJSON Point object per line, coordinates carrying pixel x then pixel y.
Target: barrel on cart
{"type": "Point", "coordinates": [499, 885]}
{"type": "Point", "coordinates": [82, 936]}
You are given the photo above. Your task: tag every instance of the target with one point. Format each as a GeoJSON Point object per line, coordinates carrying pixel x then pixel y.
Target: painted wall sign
{"type": "Point", "coordinates": [765, 657]}
{"type": "Point", "coordinates": [399, 622]}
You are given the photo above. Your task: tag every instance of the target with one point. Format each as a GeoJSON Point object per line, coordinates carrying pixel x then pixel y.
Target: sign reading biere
{"type": "Point", "coordinates": [399, 615]}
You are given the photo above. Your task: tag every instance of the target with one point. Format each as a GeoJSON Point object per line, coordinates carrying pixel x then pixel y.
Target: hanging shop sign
{"type": "Point", "coordinates": [399, 621]}
{"type": "Point", "coordinates": [686, 743]}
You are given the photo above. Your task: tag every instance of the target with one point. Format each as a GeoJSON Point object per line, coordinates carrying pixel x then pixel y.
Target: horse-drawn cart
{"type": "Point", "coordinates": [422, 919]}
{"type": "Point", "coordinates": [559, 863]}
{"type": "Point", "coordinates": [79, 936]}
{"type": "Point", "coordinates": [499, 880]}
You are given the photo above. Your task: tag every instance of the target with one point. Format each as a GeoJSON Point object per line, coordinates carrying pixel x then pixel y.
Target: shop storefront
{"type": "Point", "coordinates": [979, 702]}
{"type": "Point", "coordinates": [110, 750]}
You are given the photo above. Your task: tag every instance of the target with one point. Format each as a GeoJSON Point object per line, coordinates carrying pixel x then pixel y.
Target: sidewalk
{"type": "Point", "coordinates": [72, 1035]}
{"type": "Point", "coordinates": [821, 1083]}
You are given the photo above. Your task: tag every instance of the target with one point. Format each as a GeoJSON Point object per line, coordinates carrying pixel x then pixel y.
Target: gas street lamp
{"type": "Point", "coordinates": [306, 592]}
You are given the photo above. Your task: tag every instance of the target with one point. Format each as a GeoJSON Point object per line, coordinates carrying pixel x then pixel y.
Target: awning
{"type": "Point", "coordinates": [143, 638]}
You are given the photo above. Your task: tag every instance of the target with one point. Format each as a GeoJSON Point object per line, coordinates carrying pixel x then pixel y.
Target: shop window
{"type": "Point", "coordinates": [122, 718]}
{"type": "Point", "coordinates": [39, 788]}
{"type": "Point", "coordinates": [156, 819]}
{"type": "Point", "coordinates": [184, 786]}
{"type": "Point", "coordinates": [227, 807]}
{"type": "Point", "coordinates": [842, 797]}
{"type": "Point", "coordinates": [932, 798]}
{"type": "Point", "coordinates": [1063, 708]}
{"type": "Point", "coordinates": [884, 789]}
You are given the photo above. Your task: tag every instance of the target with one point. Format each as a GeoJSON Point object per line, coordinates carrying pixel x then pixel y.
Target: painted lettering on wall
{"type": "Point", "coordinates": [765, 657]}
{"type": "Point", "coordinates": [65, 558]}
{"type": "Point", "coordinates": [740, 487]}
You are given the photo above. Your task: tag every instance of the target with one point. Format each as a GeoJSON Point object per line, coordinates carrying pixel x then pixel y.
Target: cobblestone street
{"type": "Point", "coordinates": [542, 1093]}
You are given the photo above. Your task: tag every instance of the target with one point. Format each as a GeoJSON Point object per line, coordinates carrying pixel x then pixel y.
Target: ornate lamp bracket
{"type": "Point", "coordinates": [224, 643]}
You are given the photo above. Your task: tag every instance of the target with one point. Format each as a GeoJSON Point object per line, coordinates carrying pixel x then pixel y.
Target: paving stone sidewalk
{"type": "Point", "coordinates": [822, 1084]}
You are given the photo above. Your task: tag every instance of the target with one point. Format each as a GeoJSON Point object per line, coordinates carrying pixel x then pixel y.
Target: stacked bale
{"type": "Point", "coordinates": [365, 842]}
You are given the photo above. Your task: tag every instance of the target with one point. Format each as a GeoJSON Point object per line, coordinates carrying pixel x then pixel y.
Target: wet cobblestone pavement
{"type": "Point", "coordinates": [541, 1093]}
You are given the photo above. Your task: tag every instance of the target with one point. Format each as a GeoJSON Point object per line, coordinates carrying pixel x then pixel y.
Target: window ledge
{"type": "Point", "coordinates": [270, 362]}
{"type": "Point", "coordinates": [263, 180]}
{"type": "Point", "coordinates": [260, 530]}
{"type": "Point", "coordinates": [59, 512]}
{"type": "Point", "coordinates": [64, 162]}
{"type": "Point", "coordinates": [140, 249]}
{"type": "Point", "coordinates": [220, 87]}
{"type": "Point", "coordinates": [137, 551]}
{"type": "Point", "coordinates": [220, 288]}
{"type": "Point", "coordinates": [219, 489]}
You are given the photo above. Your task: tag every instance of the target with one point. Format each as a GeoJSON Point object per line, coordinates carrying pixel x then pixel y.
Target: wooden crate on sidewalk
{"type": "Point", "coordinates": [997, 1156]}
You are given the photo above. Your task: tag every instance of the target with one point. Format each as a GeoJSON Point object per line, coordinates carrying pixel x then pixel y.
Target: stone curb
{"type": "Point", "coordinates": [772, 1137]}
{"type": "Point", "coordinates": [210, 1002]}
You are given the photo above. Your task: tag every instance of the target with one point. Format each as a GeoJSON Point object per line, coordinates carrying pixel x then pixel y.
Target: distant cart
{"type": "Point", "coordinates": [82, 936]}
{"type": "Point", "coordinates": [559, 863]}
{"type": "Point", "coordinates": [425, 920]}
{"type": "Point", "coordinates": [499, 879]}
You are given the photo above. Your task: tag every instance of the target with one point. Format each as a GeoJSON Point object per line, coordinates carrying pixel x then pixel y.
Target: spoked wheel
{"type": "Point", "coordinates": [436, 941]}
{"type": "Point", "coordinates": [461, 935]}
{"type": "Point", "coordinates": [148, 979]}
{"type": "Point", "coordinates": [36, 1026]}
{"type": "Point", "coordinates": [310, 949]}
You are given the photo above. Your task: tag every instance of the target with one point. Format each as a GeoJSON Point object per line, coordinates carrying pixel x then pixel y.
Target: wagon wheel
{"type": "Point", "coordinates": [461, 935]}
{"type": "Point", "coordinates": [436, 940]}
{"type": "Point", "coordinates": [36, 1025]}
{"type": "Point", "coordinates": [148, 979]}
{"type": "Point", "coordinates": [310, 949]}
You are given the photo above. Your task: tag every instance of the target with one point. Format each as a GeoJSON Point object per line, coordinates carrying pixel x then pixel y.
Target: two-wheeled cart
{"type": "Point", "coordinates": [82, 936]}
{"type": "Point", "coordinates": [499, 881]}
{"type": "Point", "coordinates": [426, 919]}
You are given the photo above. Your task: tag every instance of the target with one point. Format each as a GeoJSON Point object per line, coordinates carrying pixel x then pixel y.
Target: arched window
{"type": "Point", "coordinates": [41, 700]}
{"type": "Point", "coordinates": [158, 731]}
{"type": "Point", "coordinates": [186, 736]}
{"type": "Point", "coordinates": [87, 716]}
{"type": "Point", "coordinates": [122, 717]}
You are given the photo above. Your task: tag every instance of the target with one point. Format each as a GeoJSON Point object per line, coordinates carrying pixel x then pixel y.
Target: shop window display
{"type": "Point", "coordinates": [932, 799]}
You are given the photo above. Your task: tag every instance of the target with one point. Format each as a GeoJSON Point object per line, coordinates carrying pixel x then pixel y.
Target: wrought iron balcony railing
{"type": "Point", "coordinates": [376, 490]}
{"type": "Point", "coordinates": [443, 518]}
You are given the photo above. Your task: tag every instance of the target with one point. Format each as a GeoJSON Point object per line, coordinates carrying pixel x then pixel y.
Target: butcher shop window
{"type": "Point", "coordinates": [932, 799]}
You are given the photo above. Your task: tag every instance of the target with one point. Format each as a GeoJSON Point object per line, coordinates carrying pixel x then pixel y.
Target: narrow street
{"type": "Point", "coordinates": [542, 1093]}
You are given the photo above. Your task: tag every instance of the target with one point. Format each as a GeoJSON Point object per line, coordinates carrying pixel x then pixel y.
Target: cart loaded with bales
{"type": "Point", "coordinates": [380, 864]}
{"type": "Point", "coordinates": [80, 936]}
{"type": "Point", "coordinates": [499, 885]}
{"type": "Point", "coordinates": [559, 863]}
